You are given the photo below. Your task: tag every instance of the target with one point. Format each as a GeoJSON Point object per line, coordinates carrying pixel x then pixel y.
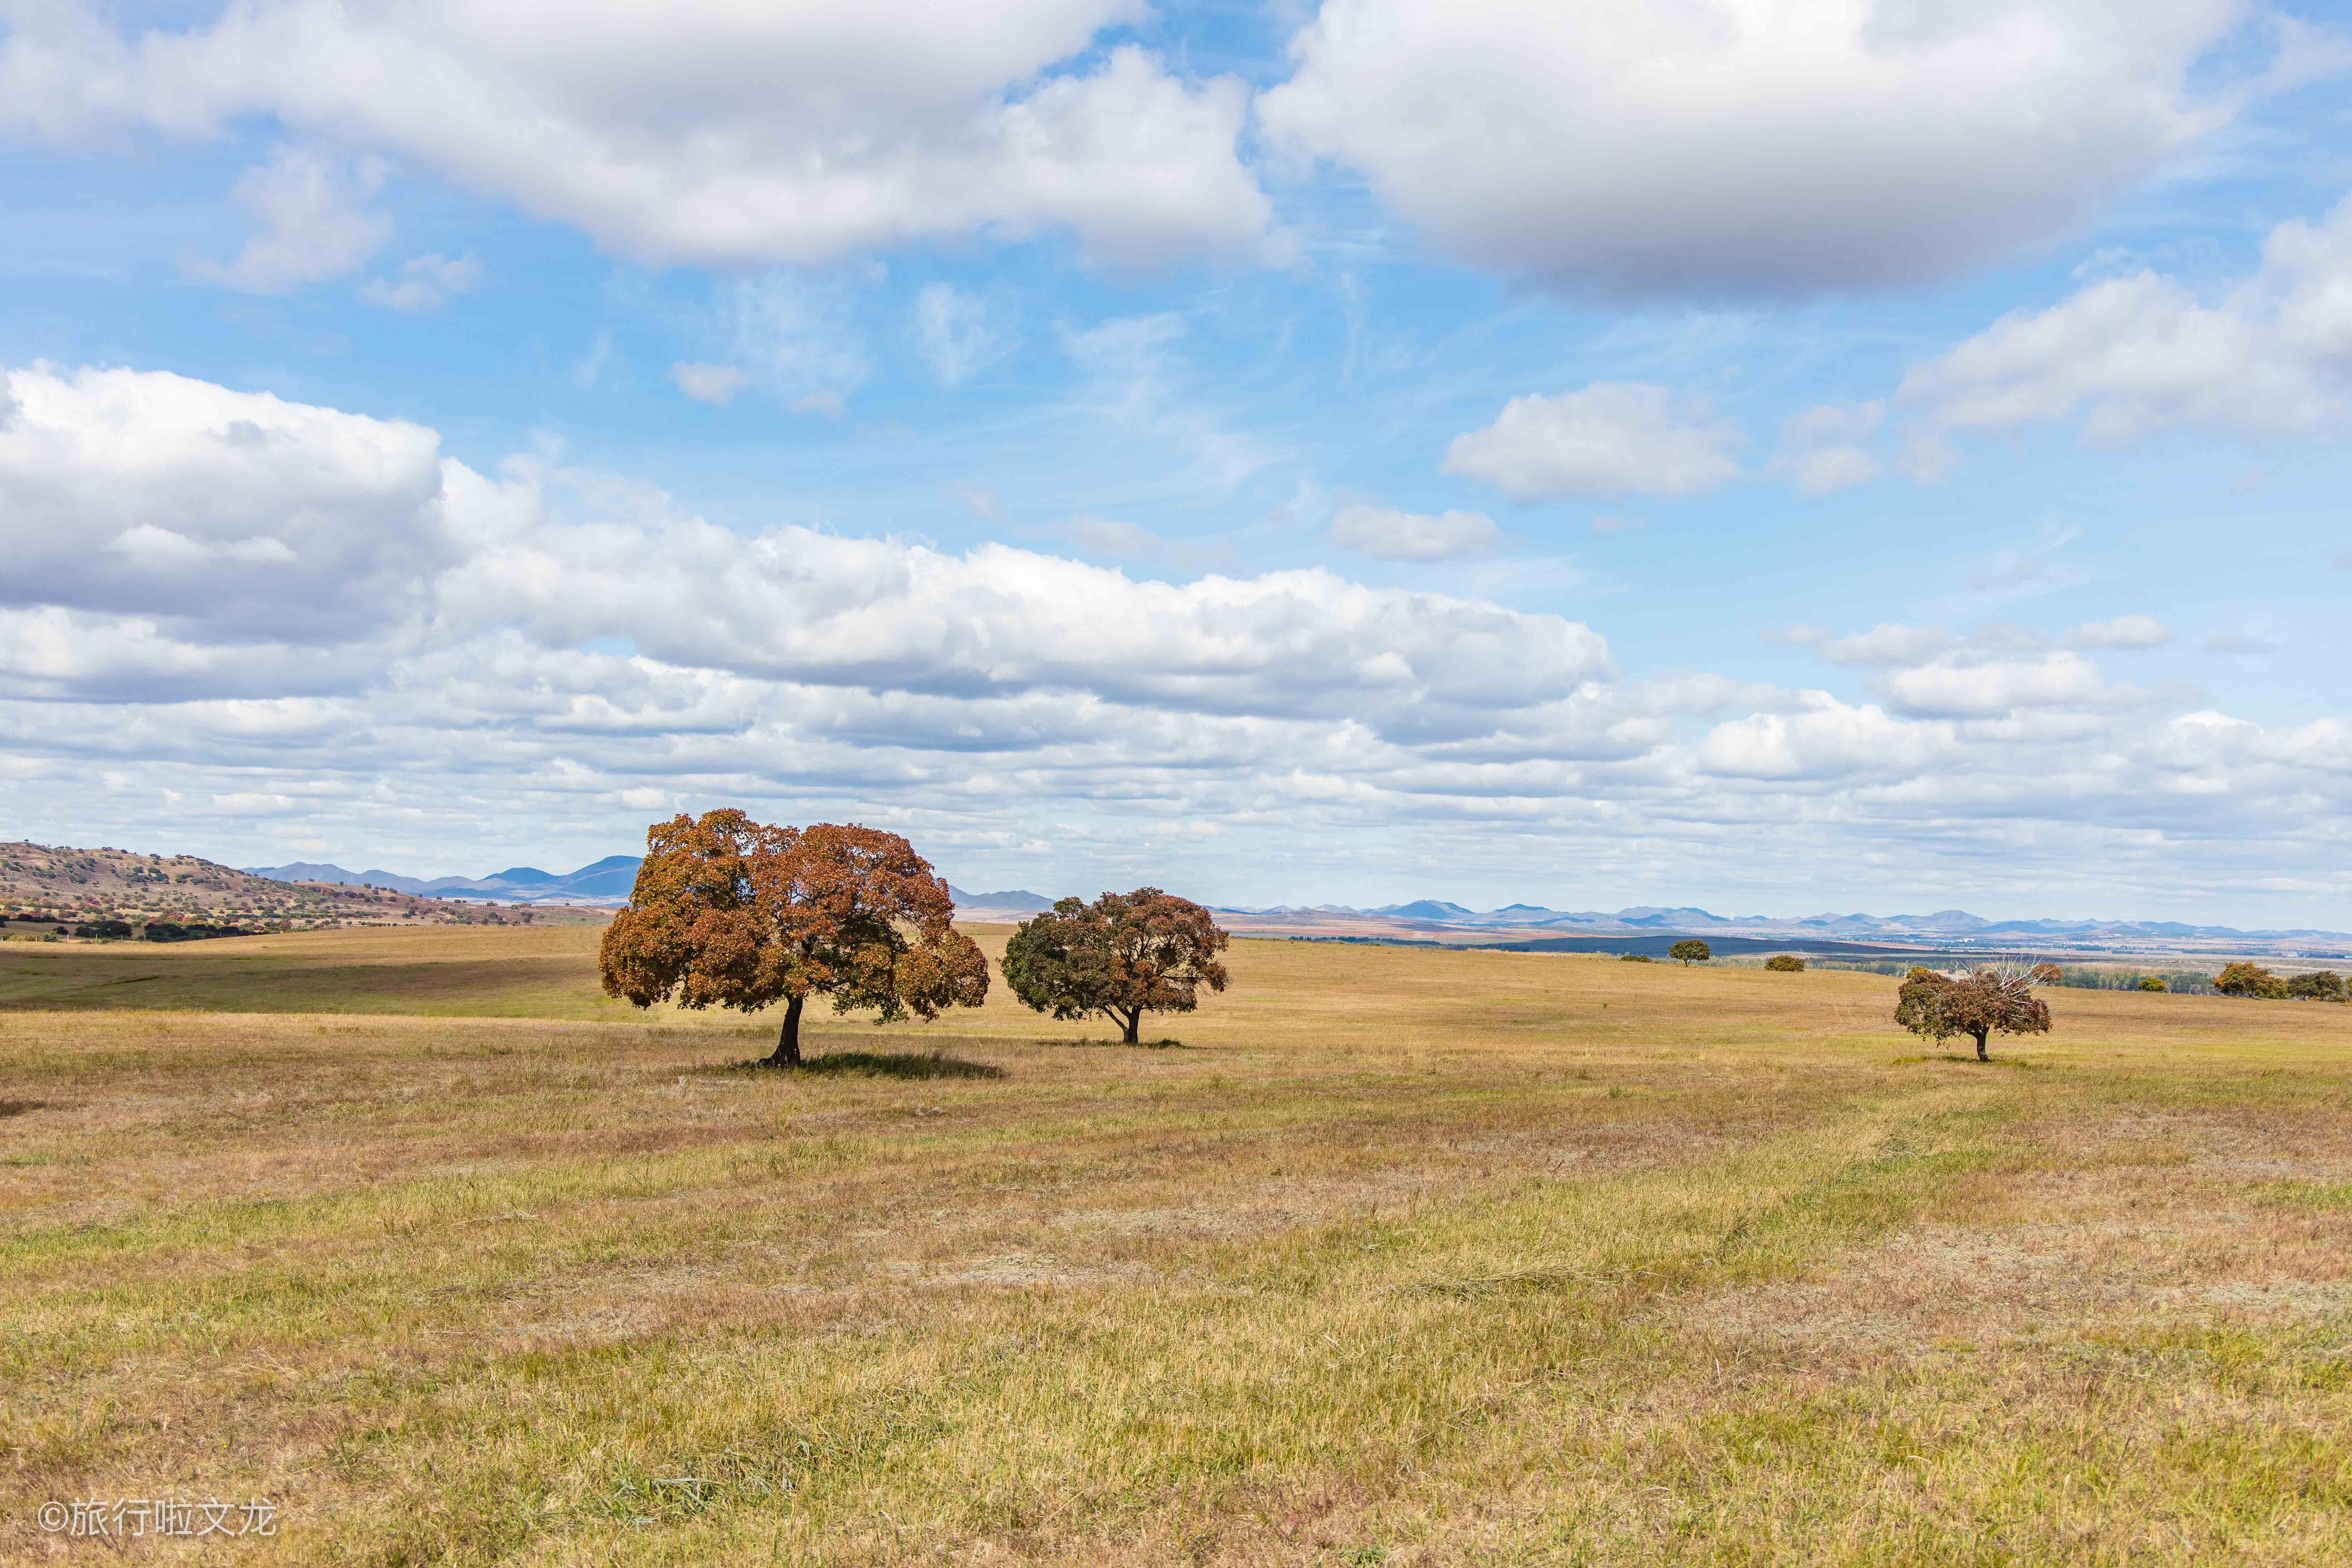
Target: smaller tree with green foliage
{"type": "Point", "coordinates": [1690, 951]}
{"type": "Point", "coordinates": [2246, 979]}
{"type": "Point", "coordinates": [2150, 983]}
{"type": "Point", "coordinates": [1785, 963]}
{"type": "Point", "coordinates": [2319, 985]}
{"type": "Point", "coordinates": [1123, 955]}
{"type": "Point", "coordinates": [1982, 1002]}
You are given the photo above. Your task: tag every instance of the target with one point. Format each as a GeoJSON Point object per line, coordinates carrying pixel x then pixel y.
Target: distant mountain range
{"type": "Point", "coordinates": [608, 881]}
{"type": "Point", "coordinates": [1945, 925]}
{"type": "Point", "coordinates": [605, 881]}
{"type": "Point", "coordinates": [1013, 901]}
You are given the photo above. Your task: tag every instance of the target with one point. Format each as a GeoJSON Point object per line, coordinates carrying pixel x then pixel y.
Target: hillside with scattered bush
{"type": "Point", "coordinates": [49, 889]}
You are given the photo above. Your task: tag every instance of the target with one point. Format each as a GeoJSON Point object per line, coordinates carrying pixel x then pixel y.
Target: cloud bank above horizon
{"type": "Point", "coordinates": [234, 604]}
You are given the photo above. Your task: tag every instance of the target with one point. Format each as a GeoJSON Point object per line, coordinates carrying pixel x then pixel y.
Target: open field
{"type": "Point", "coordinates": [1404, 1256]}
{"type": "Point", "coordinates": [434, 971]}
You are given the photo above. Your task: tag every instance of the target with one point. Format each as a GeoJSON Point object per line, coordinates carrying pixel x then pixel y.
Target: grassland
{"type": "Point", "coordinates": [1403, 1257]}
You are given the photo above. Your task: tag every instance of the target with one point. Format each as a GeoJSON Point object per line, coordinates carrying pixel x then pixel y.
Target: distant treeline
{"type": "Point", "coordinates": [151, 931]}
{"type": "Point", "coordinates": [2082, 977]}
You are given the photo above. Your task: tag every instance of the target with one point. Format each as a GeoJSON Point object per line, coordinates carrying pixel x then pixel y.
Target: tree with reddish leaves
{"type": "Point", "coordinates": [729, 912]}
{"type": "Point", "coordinates": [1123, 955]}
{"type": "Point", "coordinates": [1980, 1003]}
{"type": "Point", "coordinates": [2249, 979]}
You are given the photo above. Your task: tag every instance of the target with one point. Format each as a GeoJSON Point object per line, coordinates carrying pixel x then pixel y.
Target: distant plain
{"type": "Point", "coordinates": [1401, 1256]}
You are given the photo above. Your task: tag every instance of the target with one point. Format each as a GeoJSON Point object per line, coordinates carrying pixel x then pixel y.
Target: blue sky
{"type": "Point", "coordinates": [1837, 454]}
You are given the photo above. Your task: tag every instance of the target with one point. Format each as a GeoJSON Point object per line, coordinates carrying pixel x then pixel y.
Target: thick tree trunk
{"type": "Point", "coordinates": [1134, 1022]}
{"type": "Point", "coordinates": [788, 1041]}
{"type": "Point", "coordinates": [1980, 1046]}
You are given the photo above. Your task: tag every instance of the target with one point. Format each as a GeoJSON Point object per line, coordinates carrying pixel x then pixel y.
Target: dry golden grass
{"type": "Point", "coordinates": [1403, 1256]}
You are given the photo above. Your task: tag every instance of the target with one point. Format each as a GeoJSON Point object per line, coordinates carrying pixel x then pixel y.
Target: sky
{"type": "Point", "coordinates": [1770, 454]}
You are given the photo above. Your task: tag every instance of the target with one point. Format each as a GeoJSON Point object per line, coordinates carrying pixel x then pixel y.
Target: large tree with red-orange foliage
{"type": "Point", "coordinates": [729, 912]}
{"type": "Point", "coordinates": [1123, 955]}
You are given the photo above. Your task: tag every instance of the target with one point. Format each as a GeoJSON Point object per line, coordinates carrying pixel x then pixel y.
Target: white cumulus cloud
{"type": "Point", "coordinates": [298, 620]}
{"type": "Point", "coordinates": [1748, 147]}
{"type": "Point", "coordinates": [1826, 447]}
{"type": "Point", "coordinates": [315, 224]}
{"type": "Point", "coordinates": [715, 384]}
{"type": "Point", "coordinates": [2126, 357]}
{"type": "Point", "coordinates": [1965, 689]}
{"type": "Point", "coordinates": [426, 283]}
{"type": "Point", "coordinates": [1610, 438]}
{"type": "Point", "coordinates": [701, 132]}
{"type": "Point", "coordinates": [1414, 536]}
{"type": "Point", "coordinates": [2122, 632]}
{"type": "Point", "coordinates": [234, 515]}
{"type": "Point", "coordinates": [1828, 739]}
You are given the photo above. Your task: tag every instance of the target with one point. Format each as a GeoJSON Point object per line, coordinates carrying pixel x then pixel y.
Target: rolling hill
{"type": "Point", "coordinates": [48, 884]}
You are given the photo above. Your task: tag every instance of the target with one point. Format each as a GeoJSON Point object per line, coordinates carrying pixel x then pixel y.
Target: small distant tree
{"type": "Point", "coordinates": [1980, 1003]}
{"type": "Point", "coordinates": [2150, 983]}
{"type": "Point", "coordinates": [729, 912]}
{"type": "Point", "coordinates": [2048, 974]}
{"type": "Point", "coordinates": [1785, 963]}
{"type": "Point", "coordinates": [1123, 955]}
{"type": "Point", "coordinates": [2320, 986]}
{"type": "Point", "coordinates": [1690, 951]}
{"type": "Point", "coordinates": [2245, 979]}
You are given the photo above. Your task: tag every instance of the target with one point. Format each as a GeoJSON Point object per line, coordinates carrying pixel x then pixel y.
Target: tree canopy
{"type": "Point", "coordinates": [729, 912]}
{"type": "Point", "coordinates": [1978, 1004]}
{"type": "Point", "coordinates": [1123, 955]}
{"type": "Point", "coordinates": [1690, 951]}
{"type": "Point", "coordinates": [2319, 985]}
{"type": "Point", "coordinates": [1786, 963]}
{"type": "Point", "coordinates": [2249, 980]}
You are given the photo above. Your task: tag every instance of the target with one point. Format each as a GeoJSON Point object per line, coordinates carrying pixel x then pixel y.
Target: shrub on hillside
{"type": "Point", "coordinates": [192, 930]}
{"type": "Point", "coordinates": [1634, 958]}
{"type": "Point", "coordinates": [2150, 983]}
{"type": "Point", "coordinates": [1785, 963]}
